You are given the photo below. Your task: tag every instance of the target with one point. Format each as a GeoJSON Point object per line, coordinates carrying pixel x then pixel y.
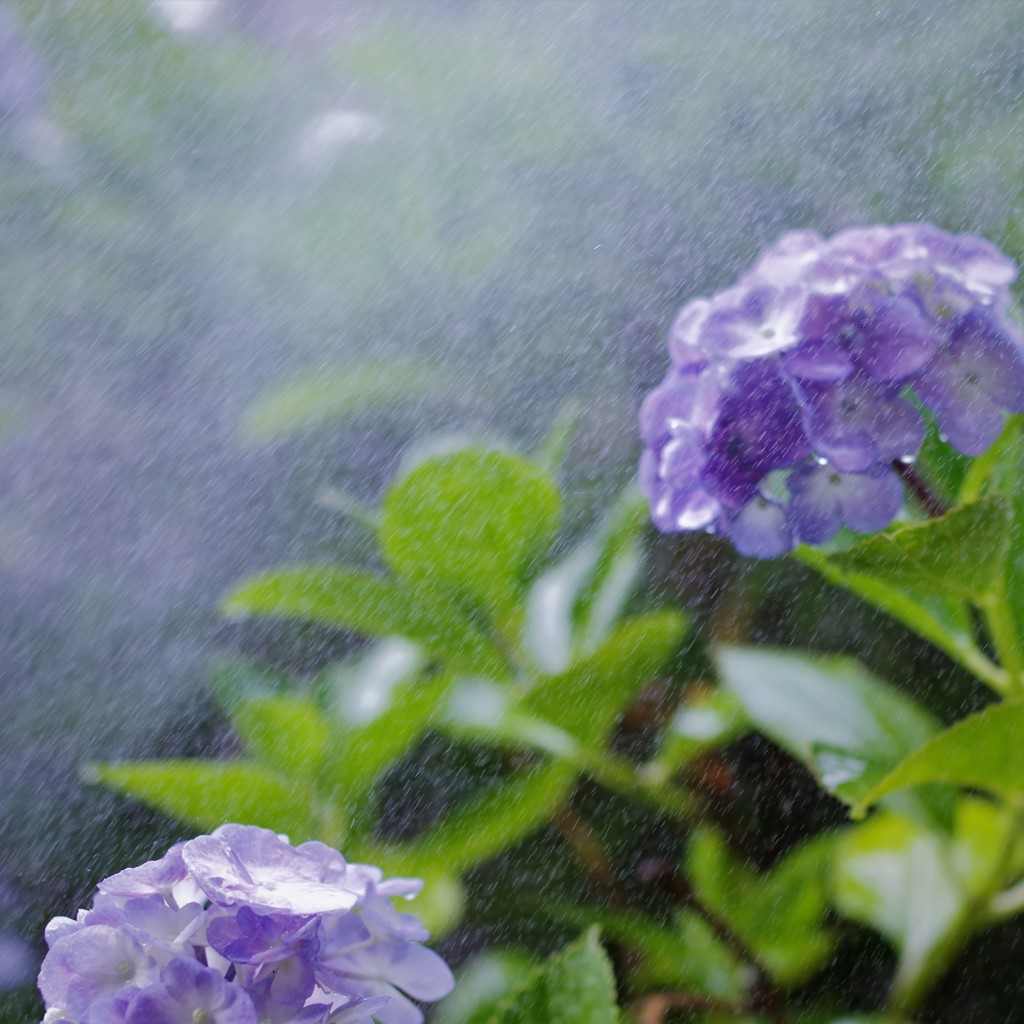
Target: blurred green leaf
{"type": "Point", "coordinates": [476, 521]}
{"type": "Point", "coordinates": [921, 888]}
{"type": "Point", "coordinates": [483, 826]}
{"type": "Point", "coordinates": [311, 400]}
{"type": "Point", "coordinates": [962, 553]}
{"type": "Point", "coordinates": [209, 793]}
{"type": "Point", "coordinates": [685, 954]}
{"type": "Point", "coordinates": [573, 605]}
{"type": "Point", "coordinates": [847, 726]}
{"type": "Point", "coordinates": [370, 605]}
{"type": "Point", "coordinates": [482, 985]}
{"type": "Point", "coordinates": [383, 703]}
{"type": "Point", "coordinates": [942, 619]}
{"type": "Point", "coordinates": [576, 986]}
{"type": "Point", "coordinates": [778, 915]}
{"type": "Point", "coordinates": [983, 751]}
{"type": "Point", "coordinates": [586, 699]}
{"type": "Point", "coordinates": [709, 718]}
{"type": "Point", "coordinates": [287, 731]}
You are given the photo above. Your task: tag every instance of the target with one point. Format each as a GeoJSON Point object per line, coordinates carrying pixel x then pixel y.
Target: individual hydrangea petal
{"type": "Point", "coordinates": [760, 529]}
{"type": "Point", "coordinates": [190, 992]}
{"type": "Point", "coordinates": [824, 499]}
{"type": "Point", "coordinates": [245, 864]}
{"type": "Point", "coordinates": [857, 423]}
{"type": "Point", "coordinates": [758, 430]}
{"type": "Point", "coordinates": [155, 876]}
{"type": "Point", "coordinates": [747, 323]}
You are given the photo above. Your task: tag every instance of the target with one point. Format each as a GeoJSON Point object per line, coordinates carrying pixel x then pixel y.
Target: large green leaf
{"type": "Point", "coordinates": [576, 986]}
{"type": "Point", "coordinates": [984, 751]}
{"type": "Point", "coordinates": [370, 605]}
{"type": "Point", "coordinates": [850, 728]}
{"type": "Point", "coordinates": [779, 914]}
{"type": "Point", "coordinates": [476, 521]}
{"type": "Point", "coordinates": [209, 793]}
{"type": "Point", "coordinates": [329, 395]}
{"type": "Point", "coordinates": [585, 700]}
{"type": "Point", "coordinates": [962, 552]}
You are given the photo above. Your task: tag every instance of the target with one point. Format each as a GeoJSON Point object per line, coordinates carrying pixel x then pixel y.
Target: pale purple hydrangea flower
{"type": "Point", "coordinates": [792, 394]}
{"type": "Point", "coordinates": [241, 927]}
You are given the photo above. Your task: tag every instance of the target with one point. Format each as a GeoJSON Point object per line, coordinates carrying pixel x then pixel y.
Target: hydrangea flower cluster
{"type": "Point", "coordinates": [794, 393]}
{"type": "Point", "coordinates": [241, 927]}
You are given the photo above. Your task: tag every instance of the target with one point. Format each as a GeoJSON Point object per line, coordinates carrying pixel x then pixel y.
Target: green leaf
{"type": "Point", "coordinates": [942, 619]}
{"type": "Point", "coordinates": [576, 986]}
{"type": "Point", "coordinates": [483, 826]}
{"type": "Point", "coordinates": [779, 914]}
{"type": "Point", "coordinates": [209, 793]}
{"type": "Point", "coordinates": [289, 732]}
{"type": "Point", "coordinates": [917, 887]}
{"type": "Point", "coordinates": [573, 606]}
{"type": "Point", "coordinates": [983, 751]}
{"type": "Point", "coordinates": [382, 703]}
{"type": "Point", "coordinates": [585, 700]}
{"type": "Point", "coordinates": [963, 552]}
{"type": "Point", "coordinates": [476, 521]}
{"type": "Point", "coordinates": [370, 605]}
{"type": "Point", "coordinates": [311, 400]}
{"type": "Point", "coordinates": [482, 986]}
{"type": "Point", "coordinates": [709, 718]}
{"type": "Point", "coordinates": [684, 955]}
{"type": "Point", "coordinates": [830, 712]}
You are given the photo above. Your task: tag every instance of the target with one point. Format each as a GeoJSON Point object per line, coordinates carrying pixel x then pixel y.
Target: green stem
{"type": "Point", "coordinates": [1003, 631]}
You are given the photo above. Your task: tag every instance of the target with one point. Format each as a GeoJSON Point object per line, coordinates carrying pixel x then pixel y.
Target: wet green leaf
{"type": "Point", "coordinates": [209, 793]}
{"type": "Point", "coordinates": [963, 552]}
{"type": "Point", "coordinates": [289, 732]}
{"type": "Point", "coordinates": [849, 727]}
{"type": "Point", "coordinates": [585, 700]}
{"type": "Point", "coordinates": [575, 986]}
{"type": "Point", "coordinates": [983, 751]}
{"type": "Point", "coordinates": [475, 521]}
{"type": "Point", "coordinates": [778, 914]}
{"type": "Point", "coordinates": [370, 605]}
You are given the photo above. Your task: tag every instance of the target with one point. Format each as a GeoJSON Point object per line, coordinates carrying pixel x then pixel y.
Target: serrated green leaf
{"type": "Point", "coordinates": [849, 727]}
{"type": "Point", "coordinates": [475, 521]}
{"type": "Point", "coordinates": [585, 700]}
{"type": "Point", "coordinates": [576, 986]}
{"type": "Point", "coordinates": [309, 401]}
{"type": "Point", "coordinates": [369, 605]}
{"type": "Point", "coordinates": [209, 793]}
{"type": "Point", "coordinates": [942, 619]}
{"type": "Point", "coordinates": [287, 731]}
{"type": "Point", "coordinates": [963, 552]}
{"type": "Point", "coordinates": [983, 751]}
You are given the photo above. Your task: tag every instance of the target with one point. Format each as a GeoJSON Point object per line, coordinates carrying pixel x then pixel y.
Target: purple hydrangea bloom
{"type": "Point", "coordinates": [792, 394]}
{"type": "Point", "coordinates": [241, 927]}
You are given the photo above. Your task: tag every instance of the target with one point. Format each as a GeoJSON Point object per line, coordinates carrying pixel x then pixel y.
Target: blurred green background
{"type": "Point", "coordinates": [253, 249]}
